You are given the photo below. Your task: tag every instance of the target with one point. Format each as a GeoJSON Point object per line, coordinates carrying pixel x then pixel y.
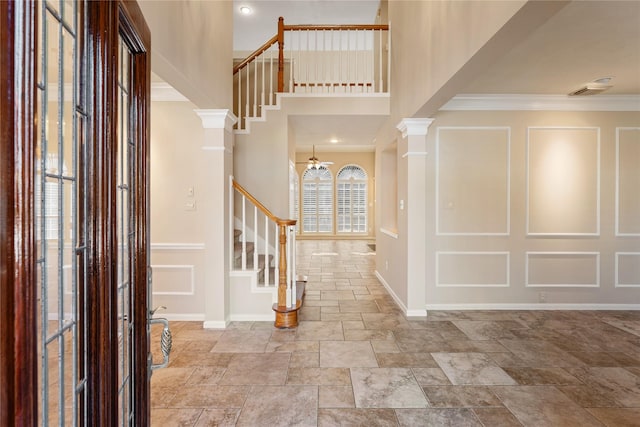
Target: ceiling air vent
{"type": "Point", "coordinates": [593, 88]}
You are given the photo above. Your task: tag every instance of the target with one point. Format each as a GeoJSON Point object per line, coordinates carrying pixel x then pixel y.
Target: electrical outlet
{"type": "Point", "coordinates": [386, 265]}
{"type": "Point", "coordinates": [542, 297]}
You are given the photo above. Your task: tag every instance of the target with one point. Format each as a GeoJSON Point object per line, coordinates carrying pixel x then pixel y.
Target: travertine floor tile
{"type": "Point", "coordinates": [471, 368]}
{"type": "Point", "coordinates": [386, 388]}
{"type": "Point", "coordinates": [617, 417]}
{"type": "Point", "coordinates": [347, 354]}
{"type": "Point", "coordinates": [357, 417]}
{"type": "Point", "coordinates": [294, 405]}
{"type": "Point", "coordinates": [537, 406]}
{"type": "Point", "coordinates": [437, 417]}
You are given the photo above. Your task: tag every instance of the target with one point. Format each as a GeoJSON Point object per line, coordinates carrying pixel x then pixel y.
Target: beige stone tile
{"type": "Point", "coordinates": [320, 331]}
{"type": "Point", "coordinates": [257, 368]}
{"type": "Point", "coordinates": [543, 406]}
{"type": "Point", "coordinates": [406, 360]}
{"type": "Point", "coordinates": [346, 354]}
{"type": "Point", "coordinates": [430, 376]}
{"type": "Point", "coordinates": [385, 346]}
{"type": "Point", "coordinates": [437, 417]}
{"type": "Point", "coordinates": [206, 375]}
{"type": "Point", "coordinates": [618, 383]}
{"type": "Point", "coordinates": [386, 388]}
{"type": "Point", "coordinates": [332, 396]}
{"type": "Point", "coordinates": [357, 417]}
{"type": "Point", "coordinates": [174, 417]}
{"type": "Point", "coordinates": [617, 417]}
{"type": "Point", "coordinates": [304, 360]}
{"type": "Point", "coordinates": [496, 417]}
{"type": "Point", "coordinates": [242, 341]}
{"type": "Point", "coordinates": [210, 396]}
{"type": "Point", "coordinates": [471, 369]}
{"type": "Point", "coordinates": [460, 396]}
{"type": "Point", "coordinates": [280, 406]}
{"type": "Point", "coordinates": [542, 376]}
{"type": "Point", "coordinates": [319, 376]}
{"type": "Point", "coordinates": [218, 418]}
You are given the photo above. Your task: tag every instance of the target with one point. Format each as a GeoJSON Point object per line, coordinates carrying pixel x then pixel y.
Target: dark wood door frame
{"type": "Point", "coordinates": [18, 283]}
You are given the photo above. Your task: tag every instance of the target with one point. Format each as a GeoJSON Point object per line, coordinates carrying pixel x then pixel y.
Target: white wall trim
{"type": "Point", "coordinates": [617, 214]}
{"type": "Point", "coordinates": [507, 231]}
{"type": "Point", "coordinates": [177, 246]}
{"type": "Point", "coordinates": [405, 310]}
{"type": "Point", "coordinates": [532, 306]}
{"type": "Point", "coordinates": [474, 285]}
{"type": "Point", "coordinates": [414, 126]}
{"type": "Point", "coordinates": [617, 283]}
{"type": "Point", "coordinates": [192, 273]}
{"type": "Point", "coordinates": [388, 232]}
{"type": "Point", "coordinates": [598, 174]}
{"type": "Point", "coordinates": [164, 92]}
{"type": "Point", "coordinates": [482, 102]}
{"type": "Point", "coordinates": [215, 324]}
{"type": "Point", "coordinates": [217, 119]}
{"type": "Point", "coordinates": [415, 154]}
{"type": "Point", "coordinates": [561, 285]}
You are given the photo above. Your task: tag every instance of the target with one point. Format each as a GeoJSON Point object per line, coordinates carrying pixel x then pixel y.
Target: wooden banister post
{"type": "Point", "coordinates": [281, 54]}
{"type": "Point", "coordinates": [282, 280]}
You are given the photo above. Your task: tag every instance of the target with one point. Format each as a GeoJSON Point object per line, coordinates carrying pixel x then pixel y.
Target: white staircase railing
{"type": "Point", "coordinates": [262, 234]}
{"type": "Point", "coordinates": [312, 59]}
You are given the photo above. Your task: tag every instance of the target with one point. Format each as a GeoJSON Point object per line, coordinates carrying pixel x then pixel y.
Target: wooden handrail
{"type": "Point", "coordinates": [347, 27]}
{"type": "Point", "coordinates": [273, 40]}
{"type": "Point", "coordinates": [262, 208]}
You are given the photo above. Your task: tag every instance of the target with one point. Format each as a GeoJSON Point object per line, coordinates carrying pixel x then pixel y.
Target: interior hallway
{"type": "Point", "coordinates": [355, 360]}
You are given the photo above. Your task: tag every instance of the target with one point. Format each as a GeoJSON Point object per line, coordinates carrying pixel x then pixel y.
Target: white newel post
{"type": "Point", "coordinates": [414, 150]}
{"type": "Point", "coordinates": [213, 200]}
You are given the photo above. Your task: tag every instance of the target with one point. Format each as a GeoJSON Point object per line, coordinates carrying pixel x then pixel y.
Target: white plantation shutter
{"type": "Point", "coordinates": [352, 200]}
{"type": "Point", "coordinates": [317, 201]}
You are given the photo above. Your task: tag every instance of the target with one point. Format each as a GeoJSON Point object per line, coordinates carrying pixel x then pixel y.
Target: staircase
{"type": "Point", "coordinates": [263, 263]}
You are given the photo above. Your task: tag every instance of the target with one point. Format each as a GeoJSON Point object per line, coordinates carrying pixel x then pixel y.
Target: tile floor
{"type": "Point", "coordinates": [355, 360]}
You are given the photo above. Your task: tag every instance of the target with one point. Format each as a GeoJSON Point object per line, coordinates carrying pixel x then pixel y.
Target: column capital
{"type": "Point", "coordinates": [414, 126]}
{"type": "Point", "coordinates": [217, 119]}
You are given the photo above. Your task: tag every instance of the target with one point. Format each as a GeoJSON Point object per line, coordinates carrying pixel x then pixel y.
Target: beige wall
{"type": "Point", "coordinates": [366, 161]}
{"type": "Point", "coordinates": [525, 212]}
{"type": "Point", "coordinates": [191, 48]}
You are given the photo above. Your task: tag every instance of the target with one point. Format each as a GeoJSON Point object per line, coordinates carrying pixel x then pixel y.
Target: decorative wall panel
{"type": "Point", "coordinates": [474, 269]}
{"type": "Point", "coordinates": [628, 181]}
{"type": "Point", "coordinates": [563, 181]}
{"type": "Point", "coordinates": [472, 180]}
{"type": "Point", "coordinates": [562, 269]}
{"type": "Point", "coordinates": [627, 269]}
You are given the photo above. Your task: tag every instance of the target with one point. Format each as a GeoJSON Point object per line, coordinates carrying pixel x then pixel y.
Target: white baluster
{"type": "Point", "coordinates": [262, 86]}
{"type": "Point", "coordinates": [255, 88]}
{"type": "Point", "coordinates": [247, 111]}
{"type": "Point", "coordinates": [380, 59]}
{"type": "Point", "coordinates": [255, 237]}
{"type": "Point", "coordinates": [292, 266]}
{"type": "Point", "coordinates": [266, 251]}
{"type": "Point", "coordinates": [271, 77]}
{"type": "Point", "coordinates": [244, 233]}
{"type": "Point", "coordinates": [240, 99]}
{"type": "Point", "coordinates": [277, 254]}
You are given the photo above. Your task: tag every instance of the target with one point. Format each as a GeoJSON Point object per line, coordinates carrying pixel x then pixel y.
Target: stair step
{"type": "Point", "coordinates": [236, 235]}
{"type": "Point", "coordinates": [261, 261]}
{"type": "Point", "coordinates": [237, 249]}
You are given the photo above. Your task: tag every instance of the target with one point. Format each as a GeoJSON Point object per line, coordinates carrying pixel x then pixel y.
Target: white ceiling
{"type": "Point", "coordinates": [584, 41]}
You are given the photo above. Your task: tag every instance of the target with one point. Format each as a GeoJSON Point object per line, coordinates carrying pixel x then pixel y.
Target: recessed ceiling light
{"type": "Point", "coordinates": [333, 140]}
{"type": "Point", "coordinates": [245, 10]}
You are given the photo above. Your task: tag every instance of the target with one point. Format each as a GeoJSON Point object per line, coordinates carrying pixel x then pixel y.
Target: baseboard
{"type": "Point", "coordinates": [391, 292]}
{"type": "Point", "coordinates": [215, 324]}
{"type": "Point", "coordinates": [540, 306]}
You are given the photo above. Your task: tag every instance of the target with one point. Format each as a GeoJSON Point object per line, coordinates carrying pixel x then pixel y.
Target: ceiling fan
{"type": "Point", "coordinates": [313, 162]}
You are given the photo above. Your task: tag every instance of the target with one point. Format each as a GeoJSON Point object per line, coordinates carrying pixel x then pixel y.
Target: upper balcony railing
{"type": "Point", "coordinates": [312, 59]}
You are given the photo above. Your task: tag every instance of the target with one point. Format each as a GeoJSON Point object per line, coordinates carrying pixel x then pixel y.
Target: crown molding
{"type": "Point", "coordinates": [411, 126]}
{"type": "Point", "coordinates": [543, 103]}
{"type": "Point", "coordinates": [217, 119]}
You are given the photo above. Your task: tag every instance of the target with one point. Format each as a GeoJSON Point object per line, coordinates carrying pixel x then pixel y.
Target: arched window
{"type": "Point", "coordinates": [317, 201]}
{"type": "Point", "coordinates": [352, 199]}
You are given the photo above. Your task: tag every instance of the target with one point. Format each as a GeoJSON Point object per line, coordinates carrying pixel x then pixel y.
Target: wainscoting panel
{"type": "Point", "coordinates": [472, 269]}
{"type": "Point", "coordinates": [562, 269]}
{"type": "Point", "coordinates": [563, 181]}
{"type": "Point", "coordinates": [174, 279]}
{"type": "Point", "coordinates": [178, 280]}
{"type": "Point", "coordinates": [627, 180]}
{"type": "Point", "coordinates": [627, 269]}
{"type": "Point", "coordinates": [472, 180]}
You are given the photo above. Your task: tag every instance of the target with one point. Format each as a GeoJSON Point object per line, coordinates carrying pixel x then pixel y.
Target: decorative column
{"type": "Point", "coordinates": [217, 152]}
{"type": "Point", "coordinates": [414, 150]}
